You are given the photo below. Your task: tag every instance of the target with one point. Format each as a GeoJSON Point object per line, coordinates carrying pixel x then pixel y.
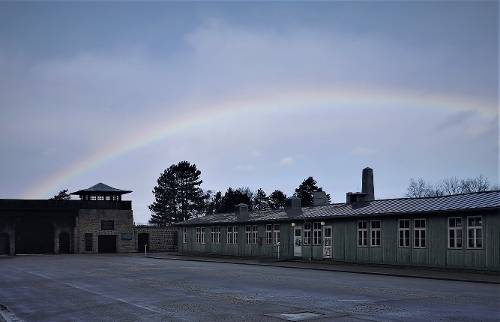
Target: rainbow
{"type": "Point", "coordinates": [278, 101]}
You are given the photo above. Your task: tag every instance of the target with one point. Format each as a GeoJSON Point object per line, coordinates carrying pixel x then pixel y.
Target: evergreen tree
{"type": "Point", "coordinates": [62, 195]}
{"type": "Point", "coordinates": [277, 200]}
{"type": "Point", "coordinates": [233, 197]}
{"type": "Point", "coordinates": [212, 202]}
{"type": "Point", "coordinates": [260, 200]}
{"type": "Point", "coordinates": [178, 195]}
{"type": "Point", "coordinates": [305, 192]}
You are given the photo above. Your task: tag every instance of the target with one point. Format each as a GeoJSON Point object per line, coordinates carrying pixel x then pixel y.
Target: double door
{"type": "Point", "coordinates": [327, 241]}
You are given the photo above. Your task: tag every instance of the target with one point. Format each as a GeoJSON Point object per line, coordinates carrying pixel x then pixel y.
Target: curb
{"type": "Point", "coordinates": [327, 269]}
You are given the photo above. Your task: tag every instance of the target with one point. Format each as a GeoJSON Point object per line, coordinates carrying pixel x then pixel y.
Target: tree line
{"type": "Point", "coordinates": [178, 196]}
{"type": "Point", "coordinates": [448, 186]}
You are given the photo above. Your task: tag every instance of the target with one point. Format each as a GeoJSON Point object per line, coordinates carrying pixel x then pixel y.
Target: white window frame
{"type": "Point", "coordinates": [248, 234]}
{"type": "Point", "coordinates": [276, 234]}
{"type": "Point", "coordinates": [363, 233]}
{"type": "Point", "coordinates": [184, 235]}
{"type": "Point", "coordinates": [418, 232]}
{"type": "Point", "coordinates": [317, 234]}
{"type": "Point", "coordinates": [255, 234]}
{"type": "Point", "coordinates": [307, 233]}
{"type": "Point", "coordinates": [475, 229]}
{"type": "Point", "coordinates": [375, 233]}
{"type": "Point", "coordinates": [215, 234]}
{"type": "Point", "coordinates": [203, 235]}
{"type": "Point", "coordinates": [403, 233]}
{"type": "Point", "coordinates": [229, 235]}
{"type": "Point", "coordinates": [455, 230]}
{"type": "Point", "coordinates": [198, 235]}
{"type": "Point", "coordinates": [269, 234]}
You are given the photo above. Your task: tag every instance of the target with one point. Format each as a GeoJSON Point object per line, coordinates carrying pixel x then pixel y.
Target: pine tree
{"type": "Point", "coordinates": [62, 195]}
{"type": "Point", "coordinates": [260, 200]}
{"type": "Point", "coordinates": [305, 192]}
{"type": "Point", "coordinates": [178, 195]}
{"type": "Point", "coordinates": [233, 197]}
{"type": "Point", "coordinates": [277, 200]}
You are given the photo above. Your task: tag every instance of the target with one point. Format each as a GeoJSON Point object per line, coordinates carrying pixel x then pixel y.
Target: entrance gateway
{"type": "Point", "coordinates": [106, 243]}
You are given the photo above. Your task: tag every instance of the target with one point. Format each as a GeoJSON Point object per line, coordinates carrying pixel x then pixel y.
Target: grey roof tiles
{"type": "Point", "coordinates": [401, 206]}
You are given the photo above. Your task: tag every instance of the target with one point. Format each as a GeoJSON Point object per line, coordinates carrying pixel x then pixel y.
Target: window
{"type": "Point", "coordinates": [307, 233]}
{"type": "Point", "coordinates": [276, 234]}
{"type": "Point", "coordinates": [455, 232]}
{"type": "Point", "coordinates": [269, 234]}
{"type": "Point", "coordinates": [251, 234]}
{"type": "Point", "coordinates": [232, 235]}
{"type": "Point", "coordinates": [198, 235]}
{"type": "Point", "coordinates": [248, 233]}
{"type": "Point", "coordinates": [107, 225]}
{"type": "Point", "coordinates": [100, 197]}
{"type": "Point", "coordinates": [317, 233]}
{"type": "Point", "coordinates": [229, 236]}
{"type": "Point", "coordinates": [88, 242]}
{"type": "Point", "coordinates": [474, 232]}
{"type": "Point", "coordinates": [184, 235]}
{"type": "Point", "coordinates": [215, 234]}
{"type": "Point", "coordinates": [363, 233]}
{"type": "Point", "coordinates": [203, 235]}
{"type": "Point", "coordinates": [419, 233]}
{"type": "Point", "coordinates": [375, 233]}
{"type": "Point", "coordinates": [404, 233]}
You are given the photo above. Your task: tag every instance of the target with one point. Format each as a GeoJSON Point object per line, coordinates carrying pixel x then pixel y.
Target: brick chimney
{"type": "Point", "coordinates": [241, 211]}
{"type": "Point", "coordinates": [293, 206]}
{"type": "Point", "coordinates": [367, 190]}
{"type": "Point", "coordinates": [367, 184]}
{"type": "Point", "coordinates": [319, 198]}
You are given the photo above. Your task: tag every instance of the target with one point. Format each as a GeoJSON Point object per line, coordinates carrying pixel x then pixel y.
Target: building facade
{"type": "Point", "coordinates": [100, 222]}
{"type": "Point", "coordinates": [457, 231]}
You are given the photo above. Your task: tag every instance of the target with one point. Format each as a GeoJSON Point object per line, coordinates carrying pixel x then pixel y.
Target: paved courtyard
{"type": "Point", "coordinates": [133, 288]}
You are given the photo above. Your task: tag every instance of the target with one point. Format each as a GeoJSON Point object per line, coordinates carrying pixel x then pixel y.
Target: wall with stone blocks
{"type": "Point", "coordinates": [89, 221]}
{"type": "Point", "coordinates": [160, 239]}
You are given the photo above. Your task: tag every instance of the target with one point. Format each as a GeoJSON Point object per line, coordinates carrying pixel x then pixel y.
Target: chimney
{"type": "Point", "coordinates": [354, 197]}
{"type": "Point", "coordinates": [293, 207]}
{"type": "Point", "coordinates": [367, 184]}
{"type": "Point", "coordinates": [241, 211]}
{"type": "Point", "coordinates": [319, 198]}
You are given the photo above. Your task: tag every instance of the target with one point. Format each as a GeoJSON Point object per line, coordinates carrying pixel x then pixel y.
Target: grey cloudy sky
{"type": "Point", "coordinates": [256, 94]}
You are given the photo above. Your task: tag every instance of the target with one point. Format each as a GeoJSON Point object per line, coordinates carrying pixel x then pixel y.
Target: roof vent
{"type": "Point", "coordinates": [241, 211]}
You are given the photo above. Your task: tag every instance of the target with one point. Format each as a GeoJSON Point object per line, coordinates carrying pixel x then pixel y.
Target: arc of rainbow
{"type": "Point", "coordinates": [278, 101]}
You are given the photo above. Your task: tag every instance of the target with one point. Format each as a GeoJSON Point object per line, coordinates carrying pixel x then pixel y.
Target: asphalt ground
{"type": "Point", "coordinates": [134, 288]}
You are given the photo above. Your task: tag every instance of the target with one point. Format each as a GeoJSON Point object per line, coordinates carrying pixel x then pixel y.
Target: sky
{"type": "Point", "coordinates": [260, 94]}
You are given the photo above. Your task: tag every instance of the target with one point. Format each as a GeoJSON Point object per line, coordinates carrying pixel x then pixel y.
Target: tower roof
{"type": "Point", "coordinates": [101, 188]}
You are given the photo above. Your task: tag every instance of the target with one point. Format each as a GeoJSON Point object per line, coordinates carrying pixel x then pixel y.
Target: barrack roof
{"type": "Point", "coordinates": [101, 187]}
{"type": "Point", "coordinates": [487, 200]}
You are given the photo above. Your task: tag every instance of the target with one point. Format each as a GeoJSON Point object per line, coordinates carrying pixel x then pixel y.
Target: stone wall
{"type": "Point", "coordinates": [160, 239]}
{"type": "Point", "coordinates": [89, 221]}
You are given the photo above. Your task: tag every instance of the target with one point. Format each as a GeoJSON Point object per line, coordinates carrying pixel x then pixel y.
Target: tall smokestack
{"type": "Point", "coordinates": [367, 184]}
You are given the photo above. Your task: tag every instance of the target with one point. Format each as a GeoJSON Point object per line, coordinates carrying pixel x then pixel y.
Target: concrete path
{"type": "Point", "coordinates": [133, 288]}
